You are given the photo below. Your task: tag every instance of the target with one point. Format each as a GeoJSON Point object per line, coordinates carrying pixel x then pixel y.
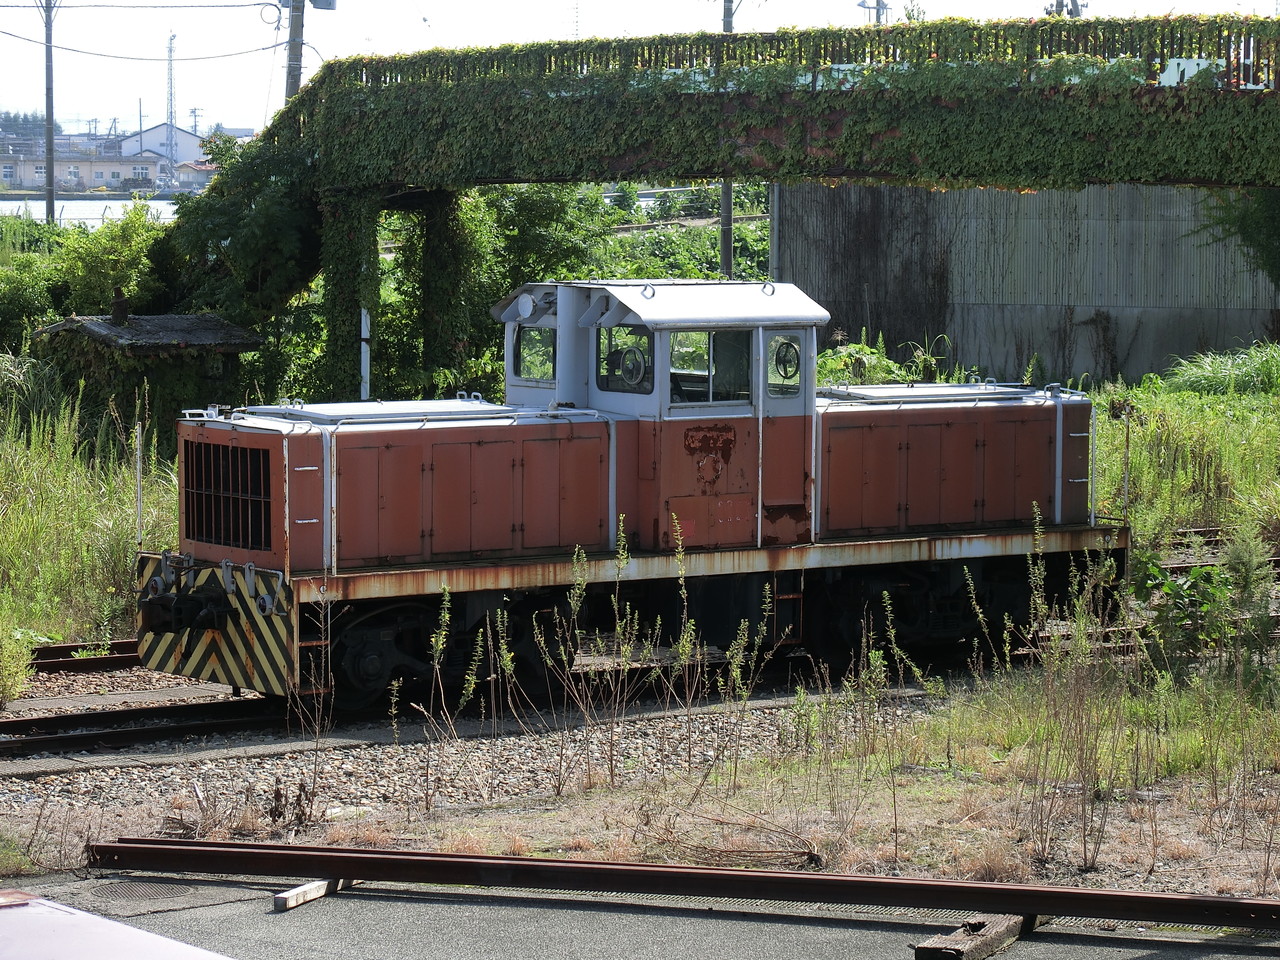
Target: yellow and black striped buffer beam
{"type": "Point", "coordinates": [245, 640]}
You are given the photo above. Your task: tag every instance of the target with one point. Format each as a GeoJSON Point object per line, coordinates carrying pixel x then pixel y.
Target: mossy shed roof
{"type": "Point", "coordinates": [161, 334]}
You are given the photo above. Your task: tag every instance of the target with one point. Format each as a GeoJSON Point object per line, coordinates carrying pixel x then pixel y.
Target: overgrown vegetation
{"type": "Point", "coordinates": [1057, 743]}
{"type": "Point", "coordinates": [926, 103]}
{"type": "Point", "coordinates": [1199, 446]}
{"type": "Point", "coordinates": [1089, 744]}
{"type": "Point", "coordinates": [68, 528]}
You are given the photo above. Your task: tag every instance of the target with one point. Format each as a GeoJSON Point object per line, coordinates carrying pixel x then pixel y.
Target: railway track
{"type": "Point", "coordinates": [85, 657]}
{"type": "Point", "coordinates": [108, 729]}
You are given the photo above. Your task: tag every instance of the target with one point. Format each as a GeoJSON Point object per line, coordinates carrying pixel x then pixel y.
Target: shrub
{"type": "Point", "coordinates": [94, 263]}
{"type": "Point", "coordinates": [858, 363]}
{"type": "Point", "coordinates": [24, 301]}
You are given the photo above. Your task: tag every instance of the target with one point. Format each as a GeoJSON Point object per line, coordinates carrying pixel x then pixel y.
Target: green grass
{"type": "Point", "coordinates": [1255, 369]}
{"type": "Point", "coordinates": [1154, 730]}
{"type": "Point", "coordinates": [1195, 460]}
{"type": "Point", "coordinates": [13, 862]}
{"type": "Point", "coordinates": [68, 526]}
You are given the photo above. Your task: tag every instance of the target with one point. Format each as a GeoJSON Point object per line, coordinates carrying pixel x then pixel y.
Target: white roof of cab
{"type": "Point", "coordinates": [680, 303]}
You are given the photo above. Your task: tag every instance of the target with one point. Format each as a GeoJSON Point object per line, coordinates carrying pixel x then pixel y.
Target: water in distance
{"type": "Point", "coordinates": [92, 213]}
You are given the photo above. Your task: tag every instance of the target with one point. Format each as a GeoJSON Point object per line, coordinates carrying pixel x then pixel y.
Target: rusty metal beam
{"type": "Point", "coordinates": [276, 860]}
{"type": "Point", "coordinates": [539, 572]}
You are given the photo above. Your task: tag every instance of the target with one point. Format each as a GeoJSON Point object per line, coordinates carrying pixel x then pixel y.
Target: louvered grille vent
{"type": "Point", "coordinates": [227, 493]}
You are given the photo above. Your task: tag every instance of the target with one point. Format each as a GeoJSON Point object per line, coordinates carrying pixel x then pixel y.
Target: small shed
{"type": "Point", "coordinates": [195, 175]}
{"type": "Point", "coordinates": [147, 367]}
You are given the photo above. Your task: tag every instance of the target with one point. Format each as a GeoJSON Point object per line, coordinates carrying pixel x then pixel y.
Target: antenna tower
{"type": "Point", "coordinates": [170, 115]}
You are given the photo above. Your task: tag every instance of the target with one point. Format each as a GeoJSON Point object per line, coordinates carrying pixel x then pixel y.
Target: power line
{"type": "Point", "coordinates": [142, 6]}
{"type": "Point", "coordinates": [116, 56]}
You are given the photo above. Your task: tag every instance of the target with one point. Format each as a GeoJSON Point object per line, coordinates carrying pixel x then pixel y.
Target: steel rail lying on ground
{"type": "Point", "coordinates": [280, 860]}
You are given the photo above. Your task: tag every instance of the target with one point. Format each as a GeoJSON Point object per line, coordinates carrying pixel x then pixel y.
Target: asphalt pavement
{"type": "Point", "coordinates": [235, 917]}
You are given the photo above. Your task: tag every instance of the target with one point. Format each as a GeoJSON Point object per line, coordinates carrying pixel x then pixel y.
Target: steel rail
{"type": "Point", "coordinates": [58, 657]}
{"type": "Point", "coordinates": [22, 736]}
{"type": "Point", "coordinates": [102, 664]}
{"type": "Point", "coordinates": [280, 860]}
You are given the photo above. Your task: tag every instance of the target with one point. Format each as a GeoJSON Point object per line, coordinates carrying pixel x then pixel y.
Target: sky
{"type": "Point", "coordinates": [111, 56]}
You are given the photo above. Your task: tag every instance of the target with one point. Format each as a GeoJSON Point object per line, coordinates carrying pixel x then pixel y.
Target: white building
{"type": "Point", "coordinates": [186, 146]}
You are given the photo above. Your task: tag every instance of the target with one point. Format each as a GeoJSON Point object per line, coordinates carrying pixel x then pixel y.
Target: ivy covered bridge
{"type": "Point", "coordinates": [1051, 103]}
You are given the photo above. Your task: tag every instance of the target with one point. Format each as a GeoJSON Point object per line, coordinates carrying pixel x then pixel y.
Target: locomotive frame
{"type": "Point", "coordinates": [319, 540]}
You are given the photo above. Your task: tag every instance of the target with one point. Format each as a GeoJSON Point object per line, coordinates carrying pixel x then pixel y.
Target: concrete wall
{"type": "Point", "coordinates": [1109, 280]}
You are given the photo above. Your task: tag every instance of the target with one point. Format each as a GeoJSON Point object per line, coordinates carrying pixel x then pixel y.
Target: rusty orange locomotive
{"type": "Point", "coordinates": [318, 540]}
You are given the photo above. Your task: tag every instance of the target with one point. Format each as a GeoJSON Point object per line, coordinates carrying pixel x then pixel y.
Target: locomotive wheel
{"type": "Point", "coordinates": [362, 673]}
{"type": "Point", "coordinates": [370, 651]}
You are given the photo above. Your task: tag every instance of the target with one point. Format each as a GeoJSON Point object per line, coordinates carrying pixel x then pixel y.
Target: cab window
{"type": "Point", "coordinates": [782, 365]}
{"type": "Point", "coordinates": [711, 367]}
{"type": "Point", "coordinates": [624, 360]}
{"type": "Point", "coordinates": [536, 353]}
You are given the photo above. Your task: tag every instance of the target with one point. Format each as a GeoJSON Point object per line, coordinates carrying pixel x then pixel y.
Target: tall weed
{"type": "Point", "coordinates": [1187, 460]}
{"type": "Point", "coordinates": [68, 524]}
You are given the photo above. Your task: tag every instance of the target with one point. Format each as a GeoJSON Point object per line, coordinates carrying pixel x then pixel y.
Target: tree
{"type": "Point", "coordinates": [24, 302]}
{"type": "Point", "coordinates": [93, 263]}
{"type": "Point", "coordinates": [25, 124]}
{"type": "Point", "coordinates": [626, 198]}
{"type": "Point", "coordinates": [459, 255]}
{"type": "Point", "coordinates": [688, 252]}
{"type": "Point", "coordinates": [251, 242]}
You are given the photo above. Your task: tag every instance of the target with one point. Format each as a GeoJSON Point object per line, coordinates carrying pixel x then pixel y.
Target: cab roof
{"type": "Point", "coordinates": [661, 304]}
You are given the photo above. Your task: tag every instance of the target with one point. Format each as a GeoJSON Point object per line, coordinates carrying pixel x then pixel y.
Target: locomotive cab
{"type": "Point", "coordinates": [709, 383]}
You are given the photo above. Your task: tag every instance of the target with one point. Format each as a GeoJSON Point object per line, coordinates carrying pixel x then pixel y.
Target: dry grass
{"type": "Point", "coordinates": [516, 846]}
{"type": "Point", "coordinates": [918, 824]}
{"type": "Point", "coordinates": [992, 860]}
{"type": "Point", "coordinates": [469, 842]}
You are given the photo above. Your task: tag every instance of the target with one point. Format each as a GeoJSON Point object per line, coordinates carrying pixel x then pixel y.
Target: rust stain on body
{"type": "Point", "coordinates": [712, 448]}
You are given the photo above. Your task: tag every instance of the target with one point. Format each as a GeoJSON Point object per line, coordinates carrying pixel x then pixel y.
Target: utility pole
{"type": "Point", "coordinates": [48, 110]}
{"type": "Point", "coordinates": [293, 67]}
{"type": "Point", "coordinates": [195, 120]}
{"type": "Point", "coordinates": [1070, 7]}
{"type": "Point", "coordinates": [293, 64]}
{"type": "Point", "coordinates": [726, 188]}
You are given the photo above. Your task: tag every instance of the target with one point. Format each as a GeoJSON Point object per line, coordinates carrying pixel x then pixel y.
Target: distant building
{"type": "Point", "coordinates": [187, 146]}
{"type": "Point", "coordinates": [195, 175]}
{"type": "Point", "coordinates": [80, 162]}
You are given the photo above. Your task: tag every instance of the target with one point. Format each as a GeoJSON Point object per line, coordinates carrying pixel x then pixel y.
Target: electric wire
{"type": "Point", "coordinates": [142, 6]}
{"type": "Point", "coordinates": [271, 73]}
{"type": "Point", "coordinates": [117, 56]}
